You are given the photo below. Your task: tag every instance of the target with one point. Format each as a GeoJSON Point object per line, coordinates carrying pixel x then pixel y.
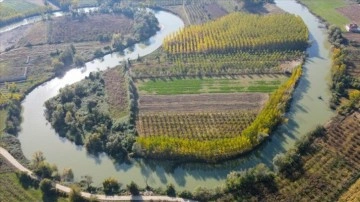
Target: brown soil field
{"type": "Point", "coordinates": [12, 38]}
{"type": "Point", "coordinates": [116, 91]}
{"type": "Point", "coordinates": [215, 10]}
{"type": "Point", "coordinates": [352, 12]}
{"type": "Point", "coordinates": [65, 29]}
{"type": "Point", "coordinates": [200, 103]}
{"type": "Point", "coordinates": [352, 36]}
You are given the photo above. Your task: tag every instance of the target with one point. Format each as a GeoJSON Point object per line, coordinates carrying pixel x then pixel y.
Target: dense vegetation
{"type": "Point", "coordinates": [218, 64]}
{"type": "Point", "coordinates": [82, 114]}
{"type": "Point", "coordinates": [243, 32]}
{"type": "Point", "coordinates": [217, 149]}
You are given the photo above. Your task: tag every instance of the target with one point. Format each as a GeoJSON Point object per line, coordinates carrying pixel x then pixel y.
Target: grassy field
{"type": "Point", "coordinates": [256, 83]}
{"type": "Point", "coordinates": [327, 10]}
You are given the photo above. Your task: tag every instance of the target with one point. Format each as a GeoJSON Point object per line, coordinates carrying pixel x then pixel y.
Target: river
{"type": "Point", "coordinates": [305, 113]}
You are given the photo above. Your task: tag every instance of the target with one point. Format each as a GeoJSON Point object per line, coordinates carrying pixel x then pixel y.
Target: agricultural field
{"type": "Point", "coordinates": [38, 47]}
{"type": "Point", "coordinates": [171, 135]}
{"type": "Point", "coordinates": [210, 65]}
{"type": "Point", "coordinates": [321, 167]}
{"type": "Point", "coordinates": [352, 194]}
{"type": "Point", "coordinates": [196, 91]}
{"type": "Point", "coordinates": [279, 32]}
{"type": "Point", "coordinates": [249, 83]}
{"type": "Point", "coordinates": [116, 90]}
{"type": "Point", "coordinates": [12, 10]}
{"type": "Point", "coordinates": [352, 12]}
{"type": "Point", "coordinates": [202, 12]}
{"type": "Point", "coordinates": [63, 30]}
{"type": "Point", "coordinates": [332, 167]}
{"type": "Point", "coordinates": [195, 126]}
{"type": "Point", "coordinates": [219, 102]}
{"type": "Point", "coordinates": [327, 9]}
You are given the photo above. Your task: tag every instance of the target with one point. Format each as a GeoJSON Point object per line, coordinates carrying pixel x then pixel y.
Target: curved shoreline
{"type": "Point", "coordinates": [87, 195]}
{"type": "Point", "coordinates": [206, 175]}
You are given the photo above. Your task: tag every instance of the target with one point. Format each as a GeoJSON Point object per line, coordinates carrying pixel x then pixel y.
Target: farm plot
{"type": "Point", "coordinates": [116, 90]}
{"type": "Point", "coordinates": [11, 10]}
{"type": "Point", "coordinates": [149, 104]}
{"type": "Point", "coordinates": [353, 58]}
{"type": "Point", "coordinates": [202, 12]}
{"type": "Point", "coordinates": [330, 165]}
{"type": "Point", "coordinates": [254, 83]}
{"type": "Point", "coordinates": [326, 9]}
{"type": "Point", "coordinates": [352, 12]}
{"type": "Point", "coordinates": [89, 29]}
{"type": "Point", "coordinates": [343, 136]}
{"type": "Point", "coordinates": [199, 126]}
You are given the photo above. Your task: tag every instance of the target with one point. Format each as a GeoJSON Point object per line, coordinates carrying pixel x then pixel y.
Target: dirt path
{"type": "Point", "coordinates": [100, 197]}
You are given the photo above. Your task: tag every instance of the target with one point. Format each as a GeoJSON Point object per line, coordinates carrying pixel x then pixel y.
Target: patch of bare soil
{"type": "Point", "coordinates": [116, 91]}
{"type": "Point", "coordinates": [66, 29]}
{"type": "Point", "coordinates": [352, 36]}
{"type": "Point", "coordinates": [288, 66]}
{"type": "Point", "coordinates": [11, 38]}
{"type": "Point", "coordinates": [203, 102]}
{"type": "Point", "coordinates": [215, 10]}
{"type": "Point", "coordinates": [352, 12]}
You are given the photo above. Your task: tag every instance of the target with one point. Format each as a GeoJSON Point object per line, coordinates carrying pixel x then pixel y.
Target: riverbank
{"type": "Point", "coordinates": [86, 195]}
{"type": "Point", "coordinates": [303, 115]}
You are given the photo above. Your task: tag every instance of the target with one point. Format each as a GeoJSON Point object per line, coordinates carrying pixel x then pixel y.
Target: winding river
{"type": "Point", "coordinates": [305, 113]}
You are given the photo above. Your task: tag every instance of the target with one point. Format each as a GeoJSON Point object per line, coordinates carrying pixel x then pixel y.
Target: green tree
{"type": "Point", "coordinates": [170, 190]}
{"type": "Point", "coordinates": [67, 175]}
{"type": "Point", "coordinates": [133, 188]}
{"type": "Point", "coordinates": [38, 157]}
{"type": "Point", "coordinates": [75, 195]}
{"type": "Point", "coordinates": [46, 187]}
{"type": "Point", "coordinates": [111, 186]}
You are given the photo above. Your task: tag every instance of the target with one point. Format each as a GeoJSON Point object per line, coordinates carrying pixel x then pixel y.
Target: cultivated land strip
{"type": "Point", "coordinates": [201, 103]}
{"type": "Point", "coordinates": [100, 197]}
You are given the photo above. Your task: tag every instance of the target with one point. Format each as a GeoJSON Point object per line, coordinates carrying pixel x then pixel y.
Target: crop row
{"type": "Point", "coordinates": [200, 126]}
{"type": "Point", "coordinates": [216, 149]}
